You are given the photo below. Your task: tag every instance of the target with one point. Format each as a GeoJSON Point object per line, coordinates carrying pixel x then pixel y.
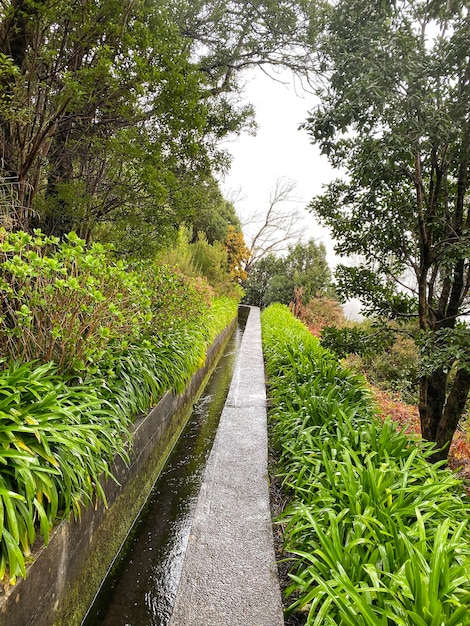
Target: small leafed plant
{"type": "Point", "coordinates": [65, 302]}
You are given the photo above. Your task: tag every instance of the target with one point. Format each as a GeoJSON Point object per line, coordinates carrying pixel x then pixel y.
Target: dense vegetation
{"type": "Point", "coordinates": [112, 112]}
{"type": "Point", "coordinates": [90, 343]}
{"type": "Point", "coordinates": [374, 533]}
{"type": "Point", "coordinates": [302, 273]}
{"type": "Point", "coordinates": [394, 117]}
{"type": "Point", "coordinates": [384, 353]}
{"type": "Point", "coordinates": [112, 115]}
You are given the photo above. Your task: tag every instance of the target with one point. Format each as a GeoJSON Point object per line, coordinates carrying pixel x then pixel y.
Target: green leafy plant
{"type": "Point", "coordinates": [65, 302]}
{"type": "Point", "coordinates": [55, 443]}
{"type": "Point", "coordinates": [90, 343]}
{"type": "Point", "coordinates": [385, 353]}
{"type": "Point", "coordinates": [375, 534]}
{"type": "Point", "coordinates": [207, 260]}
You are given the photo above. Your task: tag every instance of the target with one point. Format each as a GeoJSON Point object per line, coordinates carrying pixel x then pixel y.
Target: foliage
{"type": "Point", "coordinates": [394, 369]}
{"type": "Point", "coordinates": [176, 300]}
{"type": "Point", "coordinates": [323, 311]}
{"type": "Point", "coordinates": [99, 127]}
{"type": "Point", "coordinates": [258, 279]}
{"type": "Point", "coordinates": [77, 306]}
{"type": "Point", "coordinates": [210, 259]}
{"type": "Point", "coordinates": [205, 260]}
{"type": "Point", "coordinates": [56, 442]}
{"type": "Point", "coordinates": [394, 117]}
{"type": "Point", "coordinates": [374, 533]}
{"type": "Point", "coordinates": [179, 254]}
{"type": "Point", "coordinates": [135, 379]}
{"type": "Point", "coordinates": [385, 353]}
{"type": "Point", "coordinates": [273, 279]}
{"type": "Point", "coordinates": [126, 334]}
{"type": "Point", "coordinates": [226, 37]}
{"type": "Point", "coordinates": [211, 214]}
{"type": "Point", "coordinates": [356, 339]}
{"type": "Point", "coordinates": [58, 438]}
{"type": "Point", "coordinates": [237, 254]}
{"type": "Point", "coordinates": [113, 112]}
{"type": "Point", "coordinates": [64, 302]}
{"type": "Point", "coordinates": [318, 313]}
{"type": "Point", "coordinates": [406, 417]}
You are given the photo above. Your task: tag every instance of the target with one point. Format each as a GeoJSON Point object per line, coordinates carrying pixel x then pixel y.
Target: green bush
{"type": "Point", "coordinates": [374, 533]}
{"type": "Point", "coordinates": [204, 260]}
{"type": "Point", "coordinates": [78, 306]}
{"type": "Point", "coordinates": [127, 334]}
{"type": "Point", "coordinates": [64, 302]}
{"type": "Point", "coordinates": [386, 354]}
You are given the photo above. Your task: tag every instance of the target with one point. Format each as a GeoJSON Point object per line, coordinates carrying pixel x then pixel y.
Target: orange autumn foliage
{"type": "Point", "coordinates": [406, 416]}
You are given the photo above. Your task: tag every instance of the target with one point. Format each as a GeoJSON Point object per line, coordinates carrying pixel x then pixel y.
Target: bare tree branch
{"type": "Point", "coordinates": [278, 227]}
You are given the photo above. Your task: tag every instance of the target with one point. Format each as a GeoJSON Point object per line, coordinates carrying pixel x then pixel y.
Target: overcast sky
{"type": "Point", "coordinates": [279, 149]}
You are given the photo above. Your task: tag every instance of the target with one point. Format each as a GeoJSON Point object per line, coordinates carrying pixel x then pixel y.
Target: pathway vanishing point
{"type": "Point", "coordinates": [229, 574]}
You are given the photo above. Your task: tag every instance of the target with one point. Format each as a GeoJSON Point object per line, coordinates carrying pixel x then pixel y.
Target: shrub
{"type": "Point", "coordinates": [209, 261]}
{"type": "Point", "coordinates": [64, 302]}
{"type": "Point", "coordinates": [79, 307]}
{"type": "Point", "coordinates": [385, 354]}
{"type": "Point", "coordinates": [320, 312]}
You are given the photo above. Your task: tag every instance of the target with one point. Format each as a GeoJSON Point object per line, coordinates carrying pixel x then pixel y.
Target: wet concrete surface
{"type": "Point", "coordinates": [141, 586]}
{"type": "Point", "coordinates": [229, 573]}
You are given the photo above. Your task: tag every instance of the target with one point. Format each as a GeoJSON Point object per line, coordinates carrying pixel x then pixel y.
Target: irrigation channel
{"type": "Point", "coordinates": [141, 585]}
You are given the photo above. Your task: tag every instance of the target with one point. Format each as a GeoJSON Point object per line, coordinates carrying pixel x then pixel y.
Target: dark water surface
{"type": "Point", "coordinates": [141, 586]}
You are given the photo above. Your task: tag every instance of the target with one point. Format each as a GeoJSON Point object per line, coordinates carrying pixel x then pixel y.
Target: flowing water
{"type": "Point", "coordinates": [141, 586]}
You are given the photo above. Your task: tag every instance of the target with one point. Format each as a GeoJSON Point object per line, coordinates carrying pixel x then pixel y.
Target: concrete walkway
{"type": "Point", "coordinates": [229, 573]}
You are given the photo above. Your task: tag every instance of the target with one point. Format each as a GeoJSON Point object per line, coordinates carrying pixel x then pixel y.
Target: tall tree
{"type": "Point", "coordinates": [112, 111]}
{"type": "Point", "coordinates": [395, 114]}
{"type": "Point", "coordinates": [103, 113]}
{"type": "Point", "coordinates": [226, 37]}
{"type": "Point", "coordinates": [213, 214]}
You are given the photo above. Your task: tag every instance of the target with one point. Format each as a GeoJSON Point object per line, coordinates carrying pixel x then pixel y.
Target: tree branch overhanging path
{"type": "Point", "coordinates": [112, 113]}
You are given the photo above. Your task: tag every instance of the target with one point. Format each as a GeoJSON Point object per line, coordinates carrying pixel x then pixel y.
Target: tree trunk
{"type": "Point", "coordinates": [454, 408]}
{"type": "Point", "coordinates": [432, 396]}
{"type": "Point", "coordinates": [439, 418]}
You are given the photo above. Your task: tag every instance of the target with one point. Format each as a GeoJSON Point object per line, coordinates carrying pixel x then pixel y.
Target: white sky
{"type": "Point", "coordinates": [279, 150]}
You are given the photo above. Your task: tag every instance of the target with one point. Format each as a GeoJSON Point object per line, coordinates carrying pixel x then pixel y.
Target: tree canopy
{"type": "Point", "coordinates": [394, 114]}
{"type": "Point", "coordinates": [275, 279]}
{"type": "Point", "coordinates": [112, 112]}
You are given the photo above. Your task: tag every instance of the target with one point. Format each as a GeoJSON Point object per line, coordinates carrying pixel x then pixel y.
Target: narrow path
{"type": "Point", "coordinates": [229, 573]}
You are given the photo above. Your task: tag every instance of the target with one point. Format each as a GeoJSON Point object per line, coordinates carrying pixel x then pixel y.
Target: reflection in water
{"type": "Point", "coordinates": [141, 587]}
